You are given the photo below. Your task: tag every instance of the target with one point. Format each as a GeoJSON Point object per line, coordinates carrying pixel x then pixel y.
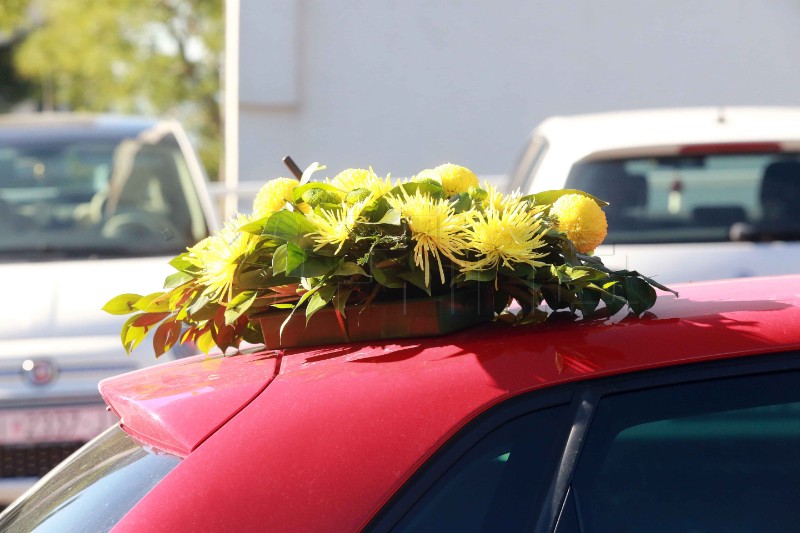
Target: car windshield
{"type": "Point", "coordinates": [696, 198]}
{"type": "Point", "coordinates": [102, 195]}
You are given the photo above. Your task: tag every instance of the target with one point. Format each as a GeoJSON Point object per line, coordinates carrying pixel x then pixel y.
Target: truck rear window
{"type": "Point", "coordinates": [696, 197]}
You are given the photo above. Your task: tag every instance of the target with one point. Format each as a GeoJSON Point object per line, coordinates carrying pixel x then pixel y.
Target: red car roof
{"type": "Point", "coordinates": [340, 428]}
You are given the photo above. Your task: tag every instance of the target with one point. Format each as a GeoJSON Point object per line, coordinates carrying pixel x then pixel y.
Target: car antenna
{"type": "Point", "coordinates": [721, 115]}
{"type": "Point", "coordinates": [293, 168]}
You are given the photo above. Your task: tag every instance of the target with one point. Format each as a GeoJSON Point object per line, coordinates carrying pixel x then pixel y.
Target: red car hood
{"type": "Point", "coordinates": [177, 405]}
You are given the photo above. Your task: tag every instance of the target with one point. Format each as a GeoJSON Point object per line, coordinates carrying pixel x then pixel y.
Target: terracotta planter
{"type": "Point", "coordinates": [421, 317]}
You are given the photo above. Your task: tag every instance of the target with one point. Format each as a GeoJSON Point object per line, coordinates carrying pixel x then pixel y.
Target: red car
{"type": "Point", "coordinates": [687, 419]}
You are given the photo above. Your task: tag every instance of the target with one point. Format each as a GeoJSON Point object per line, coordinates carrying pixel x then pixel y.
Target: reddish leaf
{"type": "Point", "coordinates": [166, 336]}
{"type": "Point", "coordinates": [149, 319]}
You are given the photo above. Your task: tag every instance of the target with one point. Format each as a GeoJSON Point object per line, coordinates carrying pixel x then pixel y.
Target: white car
{"type": "Point", "coordinates": [695, 193]}
{"type": "Point", "coordinates": [87, 204]}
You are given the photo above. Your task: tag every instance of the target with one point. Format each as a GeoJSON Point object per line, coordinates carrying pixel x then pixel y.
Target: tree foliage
{"type": "Point", "coordinates": [158, 57]}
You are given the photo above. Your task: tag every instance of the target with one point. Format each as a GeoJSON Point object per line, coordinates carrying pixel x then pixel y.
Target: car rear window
{"type": "Point", "coordinates": [696, 198]}
{"type": "Point", "coordinates": [93, 489]}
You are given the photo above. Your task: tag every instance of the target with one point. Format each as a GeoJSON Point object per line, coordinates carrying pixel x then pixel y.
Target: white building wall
{"type": "Point", "coordinates": [407, 84]}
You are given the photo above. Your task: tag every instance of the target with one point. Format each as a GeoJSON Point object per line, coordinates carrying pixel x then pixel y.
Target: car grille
{"type": "Point", "coordinates": [33, 460]}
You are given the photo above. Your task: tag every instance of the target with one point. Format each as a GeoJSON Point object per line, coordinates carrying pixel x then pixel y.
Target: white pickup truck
{"type": "Point", "coordinates": [88, 204]}
{"type": "Point", "coordinates": [695, 194]}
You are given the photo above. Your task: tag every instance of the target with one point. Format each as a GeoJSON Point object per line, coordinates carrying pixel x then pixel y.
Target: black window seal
{"type": "Point", "coordinates": [583, 411]}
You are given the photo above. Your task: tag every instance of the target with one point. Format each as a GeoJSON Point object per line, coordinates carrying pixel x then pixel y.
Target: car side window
{"type": "Point", "coordinates": [711, 456]}
{"type": "Point", "coordinates": [498, 484]}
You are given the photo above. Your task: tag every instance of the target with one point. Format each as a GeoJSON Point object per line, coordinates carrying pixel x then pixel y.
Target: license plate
{"type": "Point", "coordinates": [57, 424]}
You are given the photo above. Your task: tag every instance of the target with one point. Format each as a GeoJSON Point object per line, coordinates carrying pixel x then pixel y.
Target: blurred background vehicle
{"type": "Point", "coordinates": [85, 203]}
{"type": "Point", "coordinates": [694, 193]}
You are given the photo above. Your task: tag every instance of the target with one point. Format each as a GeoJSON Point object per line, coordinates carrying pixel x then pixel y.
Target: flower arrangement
{"type": "Point", "coordinates": [358, 238]}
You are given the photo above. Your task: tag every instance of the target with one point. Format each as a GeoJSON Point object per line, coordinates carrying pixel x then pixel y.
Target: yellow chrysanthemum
{"type": "Point", "coordinates": [273, 196]}
{"type": "Point", "coordinates": [456, 179]}
{"type": "Point", "coordinates": [582, 220]}
{"type": "Point", "coordinates": [497, 200]}
{"type": "Point", "coordinates": [335, 226]}
{"type": "Point", "coordinates": [435, 227]}
{"type": "Point", "coordinates": [360, 178]}
{"type": "Point", "coordinates": [219, 255]}
{"type": "Point", "coordinates": [504, 237]}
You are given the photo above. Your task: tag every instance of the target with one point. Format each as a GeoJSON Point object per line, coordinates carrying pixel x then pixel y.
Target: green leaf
{"type": "Point", "coordinates": [153, 303]}
{"type": "Point", "coordinates": [177, 279]}
{"type": "Point", "coordinates": [239, 305]}
{"type": "Point", "coordinates": [319, 300]}
{"type": "Point", "coordinates": [132, 335]}
{"type": "Point", "coordinates": [122, 304]}
{"type": "Point", "coordinates": [613, 301]}
{"type": "Point", "coordinates": [348, 268]}
{"type": "Point", "coordinates": [303, 298]}
{"type": "Point", "coordinates": [290, 226]}
{"type": "Point", "coordinates": [461, 202]}
{"type": "Point", "coordinates": [557, 297]}
{"type": "Point", "coordinates": [655, 284]}
{"type": "Point", "coordinates": [256, 227]}
{"type": "Point", "coordinates": [295, 257]}
{"type": "Point", "coordinates": [200, 304]}
{"type": "Point", "coordinates": [314, 267]}
{"type": "Point", "coordinates": [589, 300]}
{"type": "Point", "coordinates": [416, 277]}
{"type": "Point", "coordinates": [260, 278]}
{"type": "Point", "coordinates": [279, 259]}
{"type": "Point", "coordinates": [182, 264]}
{"type": "Point", "coordinates": [297, 192]}
{"type": "Point", "coordinates": [123, 333]}
{"type": "Point", "coordinates": [391, 217]}
{"type": "Point", "coordinates": [205, 342]}
{"type": "Point", "coordinates": [480, 275]}
{"type": "Point", "coordinates": [519, 270]}
{"type": "Point", "coordinates": [376, 210]}
{"type": "Point", "coordinates": [549, 197]}
{"type": "Point", "coordinates": [435, 190]}
{"type": "Point", "coordinates": [640, 295]}
{"type": "Point", "coordinates": [387, 278]}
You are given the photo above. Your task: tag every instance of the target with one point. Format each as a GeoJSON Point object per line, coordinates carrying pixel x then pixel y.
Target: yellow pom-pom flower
{"type": "Point", "coordinates": [456, 179]}
{"type": "Point", "coordinates": [582, 220]}
{"type": "Point", "coordinates": [504, 237]}
{"type": "Point", "coordinates": [435, 227]}
{"type": "Point", "coordinates": [273, 196]}
{"type": "Point", "coordinates": [359, 178]}
{"type": "Point", "coordinates": [218, 257]}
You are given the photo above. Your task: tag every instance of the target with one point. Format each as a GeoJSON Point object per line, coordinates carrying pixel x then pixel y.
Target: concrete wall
{"type": "Point", "coordinates": [406, 84]}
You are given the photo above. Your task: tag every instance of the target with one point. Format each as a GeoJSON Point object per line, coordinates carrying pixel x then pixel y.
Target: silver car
{"type": "Point", "coordinates": [87, 204]}
{"type": "Point", "coordinates": [695, 194]}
